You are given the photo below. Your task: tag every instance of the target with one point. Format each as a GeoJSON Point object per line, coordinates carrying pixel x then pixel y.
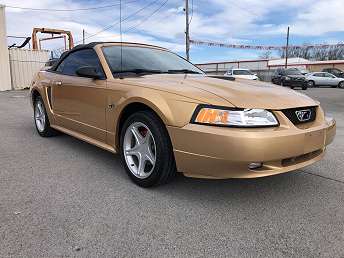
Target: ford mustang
{"type": "Point", "coordinates": [162, 115]}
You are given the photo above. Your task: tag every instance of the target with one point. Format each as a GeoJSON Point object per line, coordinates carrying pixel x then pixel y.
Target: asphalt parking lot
{"type": "Point", "coordinates": [63, 197]}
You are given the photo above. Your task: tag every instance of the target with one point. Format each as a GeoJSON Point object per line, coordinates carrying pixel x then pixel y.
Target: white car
{"type": "Point", "coordinates": [241, 73]}
{"type": "Point", "coordinates": [324, 79]}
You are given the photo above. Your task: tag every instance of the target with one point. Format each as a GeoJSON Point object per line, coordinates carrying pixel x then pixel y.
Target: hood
{"type": "Point", "coordinates": [240, 93]}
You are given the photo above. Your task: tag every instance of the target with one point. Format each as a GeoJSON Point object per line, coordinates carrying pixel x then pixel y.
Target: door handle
{"type": "Point", "coordinates": [58, 83]}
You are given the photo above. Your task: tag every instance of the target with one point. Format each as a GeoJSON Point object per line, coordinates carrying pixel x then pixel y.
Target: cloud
{"type": "Point", "coordinates": [246, 21]}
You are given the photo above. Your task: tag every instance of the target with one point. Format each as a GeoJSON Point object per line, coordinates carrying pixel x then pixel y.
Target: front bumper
{"type": "Point", "coordinates": [294, 83]}
{"type": "Point", "coordinates": [219, 152]}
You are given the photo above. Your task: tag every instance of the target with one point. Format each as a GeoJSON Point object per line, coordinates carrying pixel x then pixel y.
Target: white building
{"type": "Point", "coordinates": [5, 83]}
{"type": "Point", "coordinates": [17, 66]}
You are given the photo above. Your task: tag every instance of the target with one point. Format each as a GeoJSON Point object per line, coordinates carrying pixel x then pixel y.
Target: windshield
{"type": "Point", "coordinates": [146, 60]}
{"type": "Point", "coordinates": [242, 72]}
{"type": "Point", "coordinates": [293, 72]}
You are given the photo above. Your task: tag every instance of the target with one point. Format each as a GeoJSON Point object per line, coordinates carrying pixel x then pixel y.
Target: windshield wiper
{"type": "Point", "coordinates": [139, 71]}
{"type": "Point", "coordinates": [183, 71]}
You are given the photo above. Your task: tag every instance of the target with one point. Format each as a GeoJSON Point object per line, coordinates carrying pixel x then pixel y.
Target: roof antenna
{"type": "Point", "coordinates": [121, 36]}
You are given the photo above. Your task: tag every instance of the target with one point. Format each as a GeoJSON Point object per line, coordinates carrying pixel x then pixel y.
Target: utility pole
{"type": "Point", "coordinates": [187, 31]}
{"type": "Point", "coordinates": [83, 36]}
{"type": "Point", "coordinates": [286, 50]}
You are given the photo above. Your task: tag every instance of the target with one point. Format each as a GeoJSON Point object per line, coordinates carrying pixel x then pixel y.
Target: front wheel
{"type": "Point", "coordinates": [311, 84]}
{"type": "Point", "coordinates": [341, 85]}
{"type": "Point", "coordinates": [146, 150]}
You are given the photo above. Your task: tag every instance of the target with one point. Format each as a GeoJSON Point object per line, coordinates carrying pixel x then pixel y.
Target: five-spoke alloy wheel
{"type": "Point", "coordinates": [146, 150]}
{"type": "Point", "coordinates": [41, 119]}
{"type": "Point", "coordinates": [139, 150]}
{"type": "Point", "coordinates": [40, 115]}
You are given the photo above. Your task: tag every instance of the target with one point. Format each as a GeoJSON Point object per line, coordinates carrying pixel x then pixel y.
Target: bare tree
{"type": "Point", "coordinates": [266, 55]}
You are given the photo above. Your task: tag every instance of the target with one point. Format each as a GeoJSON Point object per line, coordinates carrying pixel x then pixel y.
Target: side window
{"type": "Point", "coordinates": [61, 65]}
{"type": "Point", "coordinates": [85, 57]}
{"type": "Point", "coordinates": [318, 75]}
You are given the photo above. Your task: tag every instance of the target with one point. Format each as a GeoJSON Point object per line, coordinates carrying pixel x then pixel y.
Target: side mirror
{"type": "Point", "coordinates": [88, 72]}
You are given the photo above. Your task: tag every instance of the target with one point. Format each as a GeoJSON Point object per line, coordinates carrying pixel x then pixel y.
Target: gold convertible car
{"type": "Point", "coordinates": [162, 115]}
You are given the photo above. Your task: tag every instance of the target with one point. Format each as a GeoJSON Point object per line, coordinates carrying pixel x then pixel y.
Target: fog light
{"type": "Point", "coordinates": [255, 165]}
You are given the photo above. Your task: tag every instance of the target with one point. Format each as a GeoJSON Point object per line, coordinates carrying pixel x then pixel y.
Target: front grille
{"type": "Point", "coordinates": [293, 117]}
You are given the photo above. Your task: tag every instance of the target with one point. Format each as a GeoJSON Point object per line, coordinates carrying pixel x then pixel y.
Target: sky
{"type": "Point", "coordinates": [162, 22]}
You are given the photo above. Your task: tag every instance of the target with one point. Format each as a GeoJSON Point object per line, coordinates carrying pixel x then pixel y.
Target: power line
{"type": "Point", "coordinates": [249, 11]}
{"type": "Point", "coordinates": [147, 17]}
{"type": "Point", "coordinates": [114, 24]}
{"type": "Point", "coordinates": [192, 11]}
{"type": "Point", "coordinates": [65, 10]}
{"type": "Point", "coordinates": [121, 20]}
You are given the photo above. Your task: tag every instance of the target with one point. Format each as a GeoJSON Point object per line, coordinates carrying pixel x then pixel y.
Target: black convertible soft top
{"type": "Point", "coordinates": [91, 46]}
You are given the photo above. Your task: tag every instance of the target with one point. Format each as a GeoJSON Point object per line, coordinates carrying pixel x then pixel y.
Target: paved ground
{"type": "Point", "coordinates": [63, 197]}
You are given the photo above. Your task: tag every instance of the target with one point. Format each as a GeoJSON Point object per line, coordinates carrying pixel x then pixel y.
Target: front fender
{"type": "Point", "coordinates": [173, 110]}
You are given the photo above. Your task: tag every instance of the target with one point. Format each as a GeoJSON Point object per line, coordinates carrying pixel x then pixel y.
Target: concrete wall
{"type": "Point", "coordinates": [5, 78]}
{"type": "Point", "coordinates": [25, 63]}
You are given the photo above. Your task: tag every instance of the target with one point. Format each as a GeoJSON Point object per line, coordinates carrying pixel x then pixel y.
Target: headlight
{"type": "Point", "coordinates": [222, 116]}
{"type": "Point", "coordinates": [287, 78]}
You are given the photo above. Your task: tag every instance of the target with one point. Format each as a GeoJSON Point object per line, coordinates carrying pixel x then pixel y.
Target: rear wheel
{"type": "Point", "coordinates": [41, 119]}
{"type": "Point", "coordinates": [341, 85]}
{"type": "Point", "coordinates": [146, 150]}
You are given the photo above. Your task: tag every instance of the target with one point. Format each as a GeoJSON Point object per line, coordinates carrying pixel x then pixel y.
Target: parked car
{"type": "Point", "coordinates": [242, 73]}
{"type": "Point", "coordinates": [335, 71]}
{"type": "Point", "coordinates": [162, 115]}
{"type": "Point", "coordinates": [324, 79]}
{"type": "Point", "coordinates": [291, 77]}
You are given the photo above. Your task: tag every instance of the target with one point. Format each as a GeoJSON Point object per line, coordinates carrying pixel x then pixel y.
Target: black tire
{"type": "Point", "coordinates": [311, 84]}
{"type": "Point", "coordinates": [292, 87]}
{"type": "Point", "coordinates": [47, 130]}
{"type": "Point", "coordinates": [341, 85]}
{"type": "Point", "coordinates": [165, 169]}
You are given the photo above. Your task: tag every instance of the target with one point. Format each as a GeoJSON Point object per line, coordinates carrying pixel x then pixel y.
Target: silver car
{"type": "Point", "coordinates": [324, 79]}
